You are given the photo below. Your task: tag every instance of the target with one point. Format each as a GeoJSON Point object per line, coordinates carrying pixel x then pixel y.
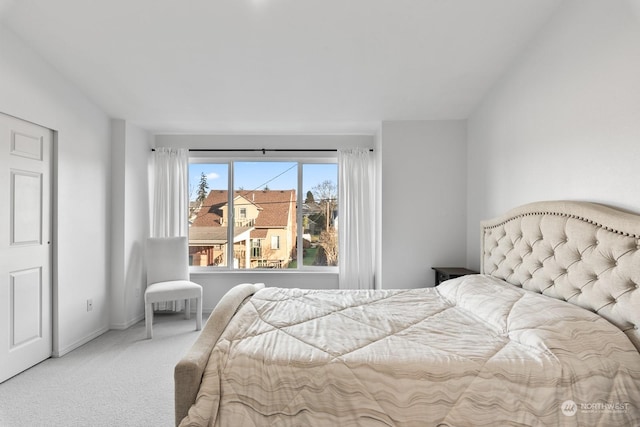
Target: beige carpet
{"type": "Point", "coordinates": [118, 379]}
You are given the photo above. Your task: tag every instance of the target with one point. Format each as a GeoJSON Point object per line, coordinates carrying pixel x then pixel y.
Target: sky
{"type": "Point", "coordinates": [257, 175]}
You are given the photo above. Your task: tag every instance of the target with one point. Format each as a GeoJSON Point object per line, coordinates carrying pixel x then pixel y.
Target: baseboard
{"type": "Point", "coordinates": [126, 325]}
{"type": "Point", "coordinates": [79, 343]}
{"type": "Point", "coordinates": [118, 326]}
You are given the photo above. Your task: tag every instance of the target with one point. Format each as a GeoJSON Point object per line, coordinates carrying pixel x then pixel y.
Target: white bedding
{"type": "Point", "coordinates": [473, 351]}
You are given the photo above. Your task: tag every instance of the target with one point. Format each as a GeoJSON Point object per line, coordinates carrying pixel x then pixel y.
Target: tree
{"type": "Point", "coordinates": [327, 194]}
{"type": "Point", "coordinates": [325, 191]}
{"type": "Point", "coordinates": [309, 198]}
{"type": "Point", "coordinates": [203, 186]}
{"type": "Point", "coordinates": [328, 251]}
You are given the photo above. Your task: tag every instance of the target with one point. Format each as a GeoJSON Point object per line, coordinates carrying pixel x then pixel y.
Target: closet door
{"type": "Point", "coordinates": [25, 245]}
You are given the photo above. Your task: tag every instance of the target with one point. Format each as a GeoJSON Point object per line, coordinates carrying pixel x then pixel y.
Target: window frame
{"type": "Point", "coordinates": [324, 158]}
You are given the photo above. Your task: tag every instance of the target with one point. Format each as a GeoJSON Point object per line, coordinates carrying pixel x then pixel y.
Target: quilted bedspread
{"type": "Point", "coordinates": [473, 351]}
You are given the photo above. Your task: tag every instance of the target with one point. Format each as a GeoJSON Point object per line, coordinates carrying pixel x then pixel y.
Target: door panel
{"type": "Point", "coordinates": [26, 208]}
{"type": "Point", "coordinates": [26, 317]}
{"type": "Point", "coordinates": [25, 245]}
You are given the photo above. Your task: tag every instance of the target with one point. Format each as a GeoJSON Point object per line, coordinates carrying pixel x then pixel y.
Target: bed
{"type": "Point", "coordinates": [547, 334]}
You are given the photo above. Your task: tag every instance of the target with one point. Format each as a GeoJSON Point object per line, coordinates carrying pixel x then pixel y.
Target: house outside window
{"type": "Point", "coordinates": [291, 206]}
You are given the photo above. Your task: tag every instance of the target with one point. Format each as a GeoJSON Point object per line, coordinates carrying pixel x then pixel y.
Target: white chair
{"type": "Point", "coordinates": [168, 278]}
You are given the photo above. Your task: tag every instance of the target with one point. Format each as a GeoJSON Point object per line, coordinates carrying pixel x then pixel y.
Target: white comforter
{"type": "Point", "coordinates": [473, 351]}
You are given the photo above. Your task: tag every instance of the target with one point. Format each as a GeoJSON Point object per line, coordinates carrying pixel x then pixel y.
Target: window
{"type": "Point", "coordinates": [256, 248]}
{"type": "Point", "coordinates": [277, 214]}
{"type": "Point", "coordinates": [275, 242]}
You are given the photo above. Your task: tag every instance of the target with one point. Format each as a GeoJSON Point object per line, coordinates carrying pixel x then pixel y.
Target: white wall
{"type": "Point", "coordinates": [130, 222]}
{"type": "Point", "coordinates": [32, 90]}
{"type": "Point", "coordinates": [378, 207]}
{"type": "Point", "coordinates": [424, 200]}
{"type": "Point", "coordinates": [564, 122]}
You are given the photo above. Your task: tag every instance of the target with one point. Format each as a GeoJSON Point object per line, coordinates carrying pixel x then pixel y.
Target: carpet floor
{"type": "Point", "coordinates": [118, 379]}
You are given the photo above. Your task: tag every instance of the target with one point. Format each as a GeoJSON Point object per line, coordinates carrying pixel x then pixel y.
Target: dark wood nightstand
{"type": "Point", "coordinates": [446, 273]}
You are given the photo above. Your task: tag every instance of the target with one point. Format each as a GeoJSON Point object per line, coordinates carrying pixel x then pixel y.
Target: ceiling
{"type": "Point", "coordinates": [277, 66]}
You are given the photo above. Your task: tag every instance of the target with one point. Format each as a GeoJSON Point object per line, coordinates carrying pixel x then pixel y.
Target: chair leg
{"type": "Point", "coordinates": [187, 308]}
{"type": "Point", "coordinates": [148, 319]}
{"type": "Point", "coordinates": [198, 314]}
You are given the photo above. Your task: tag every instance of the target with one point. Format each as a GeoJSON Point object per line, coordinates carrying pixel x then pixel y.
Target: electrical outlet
{"type": "Point", "coordinates": [89, 304]}
{"type": "Point", "coordinates": [137, 292]}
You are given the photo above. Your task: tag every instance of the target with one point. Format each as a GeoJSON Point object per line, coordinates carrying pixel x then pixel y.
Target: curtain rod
{"type": "Point", "coordinates": [264, 150]}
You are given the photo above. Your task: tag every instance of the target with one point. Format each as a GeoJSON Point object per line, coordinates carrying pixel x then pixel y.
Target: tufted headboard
{"type": "Point", "coordinates": [584, 253]}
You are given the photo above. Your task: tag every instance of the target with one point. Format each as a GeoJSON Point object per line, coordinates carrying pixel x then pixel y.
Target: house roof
{"type": "Point", "coordinates": [274, 207]}
{"type": "Point", "coordinates": [210, 213]}
{"type": "Point", "coordinates": [311, 208]}
{"type": "Point", "coordinates": [215, 235]}
{"type": "Point", "coordinates": [260, 233]}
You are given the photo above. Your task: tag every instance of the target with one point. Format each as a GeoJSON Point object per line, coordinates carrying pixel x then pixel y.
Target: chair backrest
{"type": "Point", "coordinates": [167, 259]}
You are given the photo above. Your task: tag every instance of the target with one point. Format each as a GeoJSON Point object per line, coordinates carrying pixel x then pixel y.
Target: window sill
{"type": "Point", "coordinates": [332, 271]}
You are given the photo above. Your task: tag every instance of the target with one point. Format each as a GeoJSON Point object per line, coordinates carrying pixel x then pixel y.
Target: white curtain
{"type": "Point", "coordinates": [170, 201]}
{"type": "Point", "coordinates": [171, 198]}
{"type": "Point", "coordinates": [356, 223]}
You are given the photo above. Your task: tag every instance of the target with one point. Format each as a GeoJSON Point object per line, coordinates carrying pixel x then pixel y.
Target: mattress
{"type": "Point", "coordinates": [472, 351]}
